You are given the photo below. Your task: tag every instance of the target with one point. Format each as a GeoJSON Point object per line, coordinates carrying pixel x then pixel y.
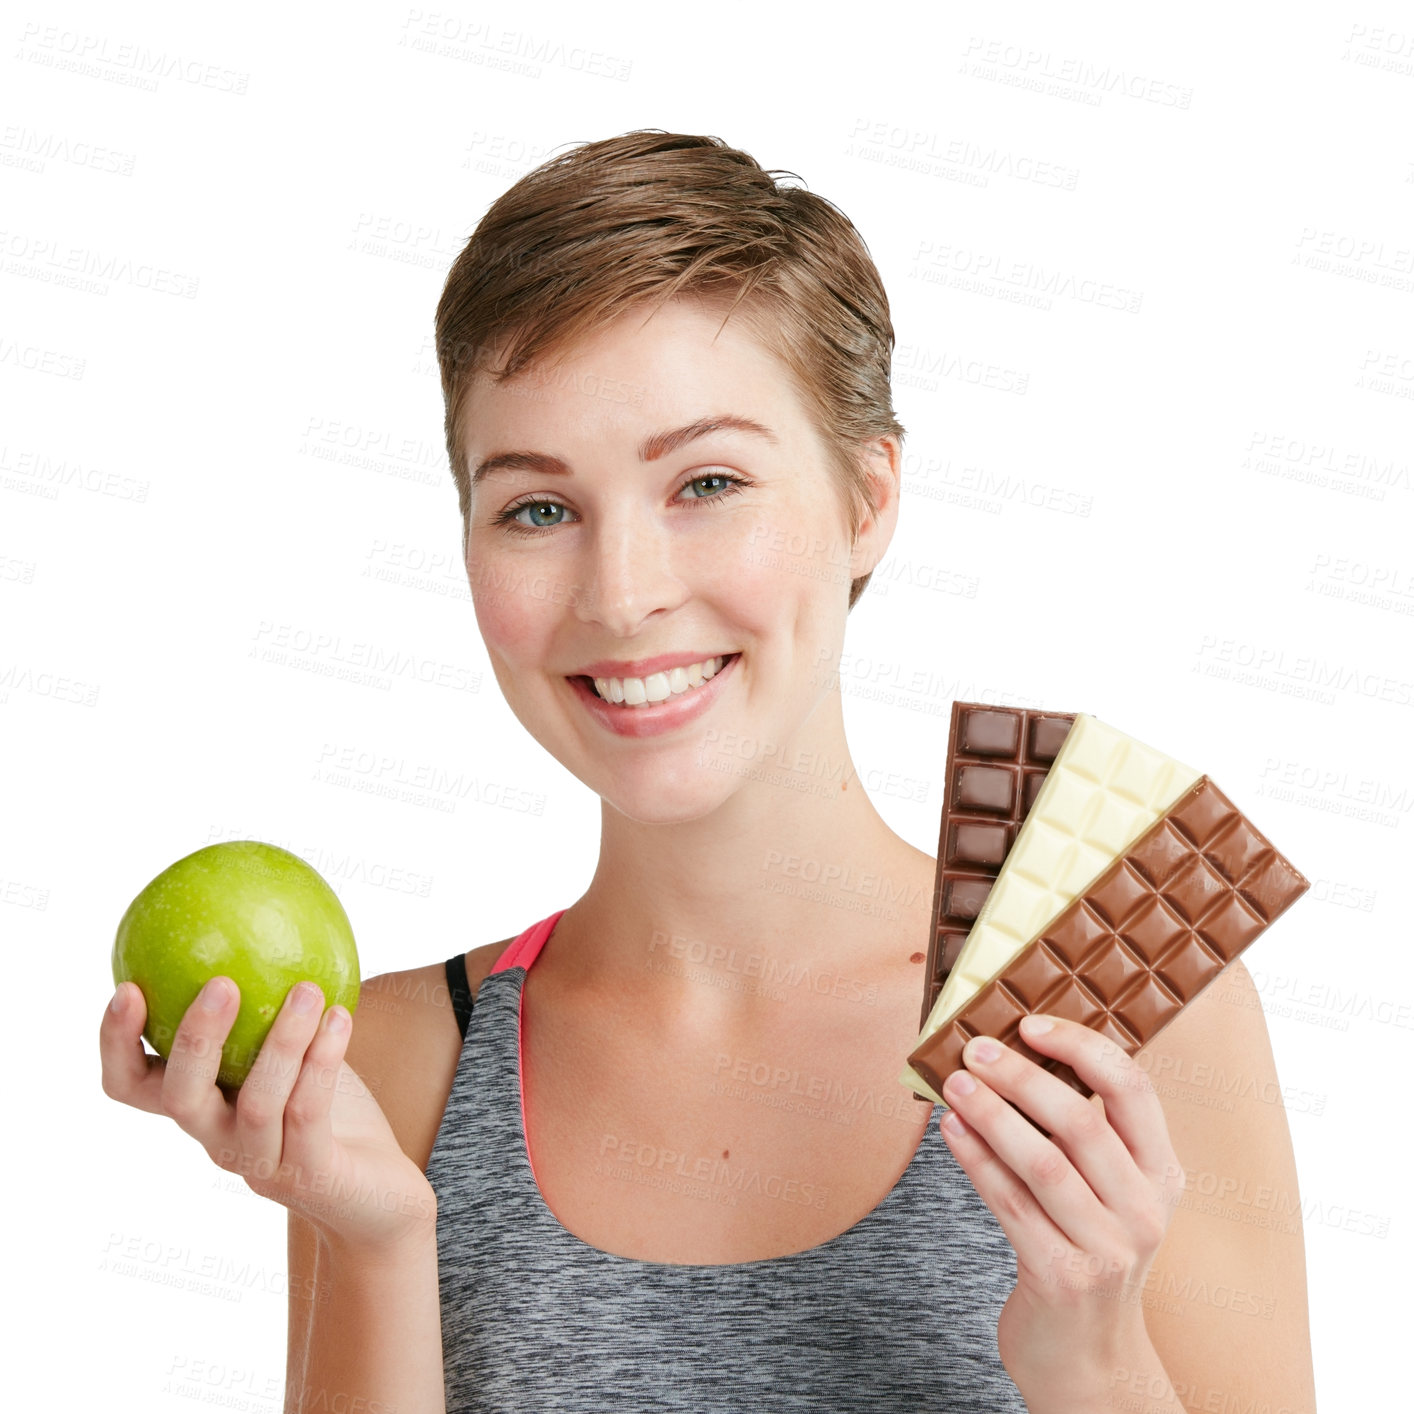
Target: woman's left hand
{"type": "Point", "coordinates": [1086, 1209]}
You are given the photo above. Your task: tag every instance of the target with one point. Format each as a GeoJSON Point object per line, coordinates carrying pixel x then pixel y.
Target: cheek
{"type": "Point", "coordinates": [754, 564]}
{"type": "Point", "coordinates": [792, 558]}
{"type": "Point", "coordinates": [511, 617]}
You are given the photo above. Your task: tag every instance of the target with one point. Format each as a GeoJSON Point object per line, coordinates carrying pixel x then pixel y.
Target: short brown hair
{"type": "Point", "coordinates": [640, 218]}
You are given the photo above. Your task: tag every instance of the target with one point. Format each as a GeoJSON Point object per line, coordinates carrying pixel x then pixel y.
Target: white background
{"type": "Point", "coordinates": [1191, 518]}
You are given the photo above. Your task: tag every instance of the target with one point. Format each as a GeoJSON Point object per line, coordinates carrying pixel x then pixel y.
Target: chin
{"type": "Point", "coordinates": [665, 801]}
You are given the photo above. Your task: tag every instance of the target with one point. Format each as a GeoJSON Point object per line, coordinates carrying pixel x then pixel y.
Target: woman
{"type": "Point", "coordinates": [670, 1165]}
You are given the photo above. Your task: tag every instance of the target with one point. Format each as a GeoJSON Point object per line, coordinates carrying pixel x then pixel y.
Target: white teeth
{"type": "Point", "coordinates": [658, 687]}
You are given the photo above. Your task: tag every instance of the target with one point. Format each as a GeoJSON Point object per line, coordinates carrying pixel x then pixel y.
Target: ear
{"type": "Point", "coordinates": [882, 463]}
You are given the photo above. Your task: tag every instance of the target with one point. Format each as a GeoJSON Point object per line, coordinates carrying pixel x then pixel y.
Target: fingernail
{"type": "Point", "coordinates": [337, 1020]}
{"type": "Point", "coordinates": [119, 1002]}
{"type": "Point", "coordinates": [961, 1083]}
{"type": "Point", "coordinates": [214, 994]}
{"type": "Point", "coordinates": [985, 1050]}
{"type": "Point", "coordinates": [303, 999]}
{"type": "Point", "coordinates": [1037, 1025]}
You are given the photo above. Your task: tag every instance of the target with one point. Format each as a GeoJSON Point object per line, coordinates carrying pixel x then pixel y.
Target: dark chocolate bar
{"type": "Point", "coordinates": [997, 759]}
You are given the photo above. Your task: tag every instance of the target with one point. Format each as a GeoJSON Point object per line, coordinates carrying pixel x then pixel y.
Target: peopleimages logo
{"type": "Point", "coordinates": [513, 51]}
{"type": "Point", "coordinates": [1260, 665]}
{"type": "Point", "coordinates": [293, 645]}
{"type": "Point", "coordinates": [1025, 66]}
{"type": "Point", "coordinates": [135, 65]}
{"type": "Point", "coordinates": [984, 272]}
{"type": "Point", "coordinates": [737, 1179]}
{"type": "Point", "coordinates": [54, 261]}
{"type": "Point", "coordinates": [973, 163]}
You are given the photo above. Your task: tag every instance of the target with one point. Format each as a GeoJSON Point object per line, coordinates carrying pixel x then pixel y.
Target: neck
{"type": "Point", "coordinates": [795, 868]}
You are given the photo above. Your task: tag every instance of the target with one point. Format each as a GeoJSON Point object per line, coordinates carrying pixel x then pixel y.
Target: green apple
{"type": "Point", "coordinates": [248, 911]}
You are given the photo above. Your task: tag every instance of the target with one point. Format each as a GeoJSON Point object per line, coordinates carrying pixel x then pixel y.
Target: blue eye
{"type": "Point", "coordinates": [719, 486]}
{"type": "Point", "coordinates": [535, 508]}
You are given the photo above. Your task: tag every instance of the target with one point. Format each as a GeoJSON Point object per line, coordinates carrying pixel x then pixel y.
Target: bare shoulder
{"type": "Point", "coordinates": [1226, 1304]}
{"type": "Point", "coordinates": [1215, 1073]}
{"type": "Point", "coordinates": [406, 1043]}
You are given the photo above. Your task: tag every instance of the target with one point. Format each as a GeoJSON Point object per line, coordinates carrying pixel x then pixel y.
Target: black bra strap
{"type": "Point", "coordinates": [458, 986]}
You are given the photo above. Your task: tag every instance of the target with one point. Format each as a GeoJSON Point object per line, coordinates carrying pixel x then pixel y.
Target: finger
{"type": "Point", "coordinates": [1039, 1163]}
{"type": "Point", "coordinates": [1075, 1124]}
{"type": "Point", "coordinates": [309, 1135]}
{"type": "Point", "coordinates": [189, 1093]}
{"type": "Point", "coordinates": [1034, 1237]}
{"type": "Point", "coordinates": [1131, 1105]}
{"type": "Point", "coordinates": [130, 1075]}
{"type": "Point", "coordinates": [260, 1104]}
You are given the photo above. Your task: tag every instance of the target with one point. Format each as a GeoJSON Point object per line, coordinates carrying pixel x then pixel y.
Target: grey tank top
{"type": "Point", "coordinates": [896, 1315]}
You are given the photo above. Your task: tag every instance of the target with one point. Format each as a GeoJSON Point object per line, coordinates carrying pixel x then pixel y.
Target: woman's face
{"type": "Point", "coordinates": [620, 529]}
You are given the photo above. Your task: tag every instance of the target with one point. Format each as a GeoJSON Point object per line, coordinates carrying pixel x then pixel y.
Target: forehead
{"type": "Point", "coordinates": [646, 368]}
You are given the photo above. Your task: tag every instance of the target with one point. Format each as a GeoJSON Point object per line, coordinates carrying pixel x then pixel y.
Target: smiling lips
{"type": "Point", "coordinates": [656, 702]}
{"type": "Point", "coordinates": [657, 687]}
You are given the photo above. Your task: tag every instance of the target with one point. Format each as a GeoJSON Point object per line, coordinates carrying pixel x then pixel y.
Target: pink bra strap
{"type": "Point", "coordinates": [523, 951]}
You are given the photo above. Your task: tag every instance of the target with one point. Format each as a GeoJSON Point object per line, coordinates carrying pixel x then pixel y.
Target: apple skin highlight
{"type": "Point", "coordinates": [241, 909]}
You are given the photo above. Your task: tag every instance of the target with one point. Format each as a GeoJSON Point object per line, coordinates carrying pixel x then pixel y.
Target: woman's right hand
{"type": "Point", "coordinates": [303, 1130]}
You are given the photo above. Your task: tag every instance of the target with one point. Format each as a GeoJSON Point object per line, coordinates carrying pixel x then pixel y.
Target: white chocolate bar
{"type": "Point", "coordinates": [1103, 791]}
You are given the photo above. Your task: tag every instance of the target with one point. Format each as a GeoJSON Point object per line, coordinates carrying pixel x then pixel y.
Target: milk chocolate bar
{"type": "Point", "coordinates": [1194, 891]}
{"type": "Point", "coordinates": [997, 759]}
{"type": "Point", "coordinates": [1103, 790]}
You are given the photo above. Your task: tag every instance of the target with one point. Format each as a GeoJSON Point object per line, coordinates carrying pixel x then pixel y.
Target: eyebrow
{"type": "Point", "coordinates": [659, 444]}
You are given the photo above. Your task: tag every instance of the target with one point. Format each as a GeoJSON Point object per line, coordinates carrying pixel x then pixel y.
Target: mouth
{"type": "Point", "coordinates": [656, 688]}
{"type": "Point", "coordinates": [690, 693]}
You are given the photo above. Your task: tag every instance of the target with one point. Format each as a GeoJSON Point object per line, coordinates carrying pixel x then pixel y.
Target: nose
{"type": "Point", "coordinates": [630, 571]}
